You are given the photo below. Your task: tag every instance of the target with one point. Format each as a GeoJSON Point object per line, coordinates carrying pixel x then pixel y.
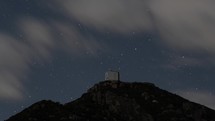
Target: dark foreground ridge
{"type": "Point", "coordinates": [119, 101]}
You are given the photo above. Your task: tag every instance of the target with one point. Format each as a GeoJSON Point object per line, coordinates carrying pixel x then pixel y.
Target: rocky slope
{"type": "Point", "coordinates": [119, 101]}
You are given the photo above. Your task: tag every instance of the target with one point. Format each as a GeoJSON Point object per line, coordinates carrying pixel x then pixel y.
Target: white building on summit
{"type": "Point", "coordinates": [112, 75]}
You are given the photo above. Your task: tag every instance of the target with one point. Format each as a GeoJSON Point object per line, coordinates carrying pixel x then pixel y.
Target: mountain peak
{"type": "Point", "coordinates": [119, 101]}
{"type": "Point", "coordinates": [120, 85]}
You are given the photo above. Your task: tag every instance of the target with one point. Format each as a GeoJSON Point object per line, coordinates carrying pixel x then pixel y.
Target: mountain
{"type": "Point", "coordinates": [119, 101]}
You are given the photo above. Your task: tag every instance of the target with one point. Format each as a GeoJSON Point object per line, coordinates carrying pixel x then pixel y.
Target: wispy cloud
{"type": "Point", "coordinates": [37, 36]}
{"type": "Point", "coordinates": [38, 40]}
{"type": "Point", "coordinates": [202, 97]}
{"type": "Point", "coordinates": [74, 42]}
{"type": "Point", "coordinates": [13, 63]}
{"type": "Point", "coordinates": [176, 62]}
{"type": "Point", "coordinates": [120, 15]}
{"type": "Point", "coordinates": [185, 24]}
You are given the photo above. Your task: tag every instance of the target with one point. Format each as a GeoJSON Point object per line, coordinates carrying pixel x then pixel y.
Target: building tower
{"type": "Point", "coordinates": [112, 76]}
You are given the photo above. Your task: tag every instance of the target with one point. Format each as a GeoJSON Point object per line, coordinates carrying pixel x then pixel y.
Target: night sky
{"type": "Point", "coordinates": [57, 49]}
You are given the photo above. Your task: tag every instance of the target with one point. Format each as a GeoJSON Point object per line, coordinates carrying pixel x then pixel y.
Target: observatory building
{"type": "Point", "coordinates": [112, 75]}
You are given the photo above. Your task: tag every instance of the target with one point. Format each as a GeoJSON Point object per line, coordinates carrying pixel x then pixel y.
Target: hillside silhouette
{"type": "Point", "coordinates": [119, 101]}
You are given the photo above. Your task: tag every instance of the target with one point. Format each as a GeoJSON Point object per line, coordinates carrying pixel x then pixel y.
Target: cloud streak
{"type": "Point", "coordinates": [37, 42]}
{"type": "Point", "coordinates": [115, 15]}
{"type": "Point", "coordinates": [186, 25]}
{"type": "Point", "coordinates": [13, 64]}
{"type": "Point", "coordinates": [202, 97]}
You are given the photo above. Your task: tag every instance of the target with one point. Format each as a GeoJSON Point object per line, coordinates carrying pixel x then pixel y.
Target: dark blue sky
{"type": "Point", "coordinates": [56, 50]}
